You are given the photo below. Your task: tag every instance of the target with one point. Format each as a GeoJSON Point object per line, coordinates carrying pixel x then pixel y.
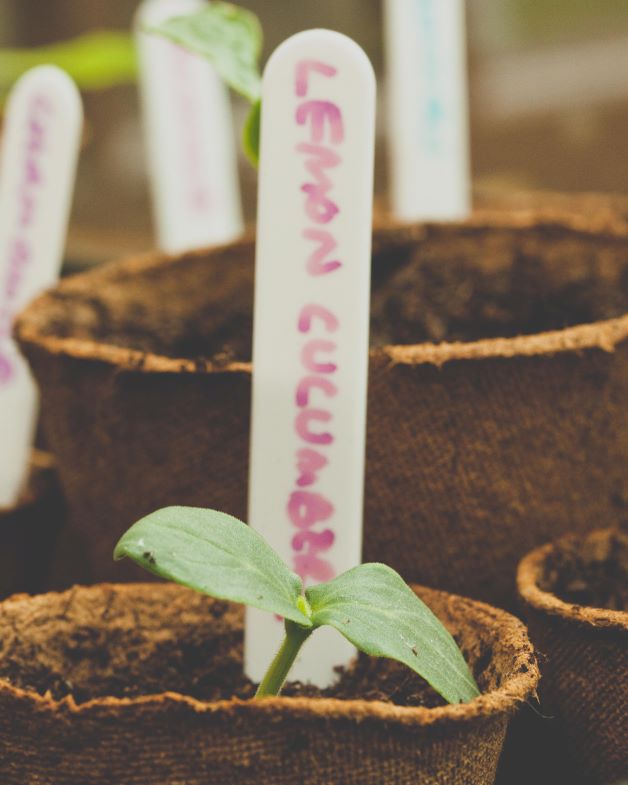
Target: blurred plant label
{"type": "Point", "coordinates": [428, 109]}
{"type": "Point", "coordinates": [191, 146]}
{"type": "Point", "coordinates": [311, 327]}
{"type": "Point", "coordinates": [40, 145]}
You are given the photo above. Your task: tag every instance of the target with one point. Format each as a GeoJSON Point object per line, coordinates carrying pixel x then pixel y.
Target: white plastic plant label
{"type": "Point", "coordinates": [428, 109]}
{"type": "Point", "coordinates": [311, 325]}
{"type": "Point", "coordinates": [190, 138]}
{"type": "Point", "coordinates": [40, 145]}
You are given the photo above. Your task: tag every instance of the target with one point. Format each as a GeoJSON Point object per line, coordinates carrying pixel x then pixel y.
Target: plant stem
{"type": "Point", "coordinates": [276, 675]}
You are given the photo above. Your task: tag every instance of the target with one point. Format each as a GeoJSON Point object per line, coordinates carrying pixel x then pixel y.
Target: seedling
{"type": "Point", "coordinates": [231, 39]}
{"type": "Point", "coordinates": [370, 605]}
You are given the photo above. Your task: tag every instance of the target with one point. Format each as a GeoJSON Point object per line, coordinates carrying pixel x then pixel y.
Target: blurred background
{"type": "Point", "coordinates": [548, 87]}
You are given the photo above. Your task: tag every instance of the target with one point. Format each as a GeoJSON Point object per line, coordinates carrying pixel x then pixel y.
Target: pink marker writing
{"type": "Point", "coordinates": [19, 252]}
{"type": "Point", "coordinates": [310, 352]}
{"type": "Point", "coordinates": [40, 145]}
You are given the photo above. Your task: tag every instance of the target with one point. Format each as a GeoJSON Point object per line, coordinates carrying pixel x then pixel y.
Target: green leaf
{"type": "Point", "coordinates": [217, 555]}
{"type": "Point", "coordinates": [251, 133]}
{"type": "Point", "coordinates": [375, 610]}
{"type": "Point", "coordinates": [95, 61]}
{"type": "Point", "coordinates": [228, 36]}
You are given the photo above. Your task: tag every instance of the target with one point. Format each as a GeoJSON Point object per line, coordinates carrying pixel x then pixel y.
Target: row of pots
{"type": "Point", "coordinates": [479, 449]}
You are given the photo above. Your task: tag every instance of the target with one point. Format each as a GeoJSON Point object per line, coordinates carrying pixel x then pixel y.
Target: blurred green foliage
{"type": "Point", "coordinates": [96, 60]}
{"type": "Point", "coordinates": [545, 21]}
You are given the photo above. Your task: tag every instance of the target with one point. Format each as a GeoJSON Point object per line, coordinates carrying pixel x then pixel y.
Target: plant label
{"type": "Point", "coordinates": [311, 327]}
{"type": "Point", "coordinates": [41, 140]}
{"type": "Point", "coordinates": [428, 112]}
{"type": "Point", "coordinates": [192, 156]}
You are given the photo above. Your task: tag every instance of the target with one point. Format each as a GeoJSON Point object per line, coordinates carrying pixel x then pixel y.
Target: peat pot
{"type": "Point", "coordinates": [29, 530]}
{"type": "Point", "coordinates": [497, 405]}
{"type": "Point", "coordinates": [133, 684]}
{"type": "Point", "coordinates": [574, 594]}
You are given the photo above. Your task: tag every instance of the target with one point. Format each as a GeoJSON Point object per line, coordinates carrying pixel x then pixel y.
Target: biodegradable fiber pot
{"type": "Point", "coordinates": [140, 679]}
{"type": "Point", "coordinates": [497, 405]}
{"type": "Point", "coordinates": [585, 663]}
{"type": "Point", "coordinates": [29, 530]}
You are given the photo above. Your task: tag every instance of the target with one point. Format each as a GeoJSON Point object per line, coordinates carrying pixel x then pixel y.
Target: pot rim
{"type": "Point", "coordinates": [516, 689]}
{"type": "Point", "coordinates": [528, 575]}
{"type": "Point", "coordinates": [601, 335]}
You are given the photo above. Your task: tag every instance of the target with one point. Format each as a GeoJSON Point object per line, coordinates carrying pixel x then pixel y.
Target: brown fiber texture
{"type": "Point", "coordinates": [497, 411]}
{"type": "Point", "coordinates": [29, 531]}
{"type": "Point", "coordinates": [584, 661]}
{"type": "Point", "coordinates": [91, 636]}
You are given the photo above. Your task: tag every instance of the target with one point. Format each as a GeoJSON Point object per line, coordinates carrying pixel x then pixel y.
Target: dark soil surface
{"type": "Point", "coordinates": [203, 662]}
{"type": "Point", "coordinates": [591, 573]}
{"type": "Point", "coordinates": [462, 285]}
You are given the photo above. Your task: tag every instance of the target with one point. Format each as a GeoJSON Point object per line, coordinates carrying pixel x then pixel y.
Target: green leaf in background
{"type": "Point", "coordinates": [374, 609]}
{"type": "Point", "coordinates": [96, 61]}
{"type": "Point", "coordinates": [228, 36]}
{"type": "Point", "coordinates": [217, 555]}
{"type": "Point", "coordinates": [251, 133]}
